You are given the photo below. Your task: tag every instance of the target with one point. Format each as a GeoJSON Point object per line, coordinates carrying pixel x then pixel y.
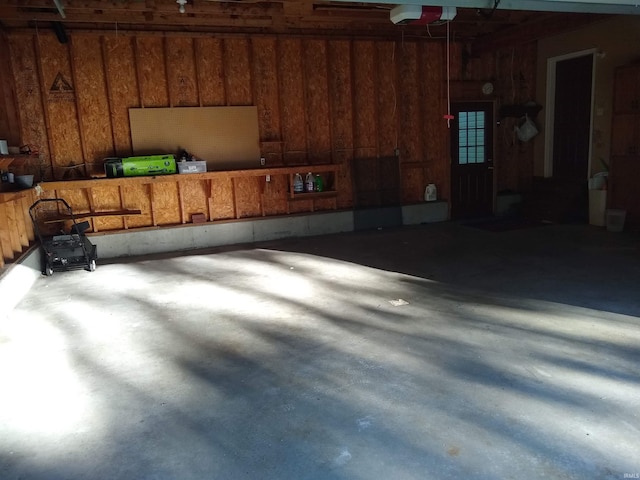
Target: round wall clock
{"type": "Point", "coordinates": [487, 88]}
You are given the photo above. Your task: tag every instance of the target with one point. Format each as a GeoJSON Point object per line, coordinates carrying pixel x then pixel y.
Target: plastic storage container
{"type": "Point", "coordinates": [430, 193]}
{"type": "Point", "coordinates": [309, 182]}
{"type": "Point", "coordinates": [193, 166]}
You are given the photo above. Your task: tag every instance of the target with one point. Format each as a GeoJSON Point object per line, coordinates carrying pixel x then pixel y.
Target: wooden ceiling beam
{"type": "Point", "coordinates": [531, 31]}
{"type": "Point", "coordinates": [485, 32]}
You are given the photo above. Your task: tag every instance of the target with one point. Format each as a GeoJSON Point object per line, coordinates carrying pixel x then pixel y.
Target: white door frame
{"type": "Point", "coordinates": [551, 102]}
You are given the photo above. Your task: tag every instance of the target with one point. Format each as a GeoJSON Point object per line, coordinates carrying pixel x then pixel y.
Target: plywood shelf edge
{"type": "Point", "coordinates": [309, 195]}
{"type": "Point", "coordinates": [187, 177]}
{"type": "Point", "coordinates": [115, 213]}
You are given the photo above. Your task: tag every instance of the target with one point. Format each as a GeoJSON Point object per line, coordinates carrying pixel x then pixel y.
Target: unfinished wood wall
{"type": "Point", "coordinates": [513, 71]}
{"type": "Point", "coordinates": [9, 120]}
{"type": "Point", "coordinates": [320, 100]}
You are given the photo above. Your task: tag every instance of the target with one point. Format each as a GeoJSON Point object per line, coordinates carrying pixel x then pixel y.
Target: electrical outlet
{"type": "Point", "coordinates": [396, 152]}
{"type": "Point", "coordinates": [263, 161]}
{"type": "Point", "coordinates": [268, 178]}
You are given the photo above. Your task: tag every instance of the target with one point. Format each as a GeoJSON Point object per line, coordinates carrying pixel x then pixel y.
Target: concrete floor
{"type": "Point", "coordinates": [516, 355]}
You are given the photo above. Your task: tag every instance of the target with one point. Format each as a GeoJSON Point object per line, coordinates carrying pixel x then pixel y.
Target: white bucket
{"type": "Point", "coordinates": [597, 207]}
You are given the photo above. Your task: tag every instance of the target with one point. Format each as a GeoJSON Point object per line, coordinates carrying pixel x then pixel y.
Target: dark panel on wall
{"type": "Point", "coordinates": [376, 182]}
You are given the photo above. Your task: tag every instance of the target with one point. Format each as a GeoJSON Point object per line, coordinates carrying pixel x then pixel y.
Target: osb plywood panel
{"type": "Point", "coordinates": [28, 93]}
{"type": "Point", "coordinates": [209, 61]}
{"type": "Point", "coordinates": [528, 88]}
{"type": "Point", "coordinates": [323, 204]}
{"type": "Point", "coordinates": [225, 137]}
{"type": "Point", "coordinates": [26, 203]}
{"type": "Point", "coordinates": [275, 195]}
{"type": "Point", "coordinates": [387, 98]}
{"type": "Point", "coordinates": [221, 199]}
{"type": "Point", "coordinates": [273, 153]}
{"type": "Point", "coordinates": [514, 161]}
{"type": "Point", "coordinates": [12, 222]}
{"type": "Point", "coordinates": [481, 68]}
{"type": "Point", "coordinates": [5, 231]}
{"type": "Point", "coordinates": [412, 183]}
{"type": "Point", "coordinates": [183, 88]}
{"type": "Point", "coordinates": [195, 197]}
{"type": "Point", "coordinates": [265, 86]}
{"type": "Point", "coordinates": [165, 203]}
{"type": "Point", "coordinates": [455, 61]}
{"type": "Point", "coordinates": [151, 71]}
{"type": "Point", "coordinates": [301, 206]}
{"type": "Point", "coordinates": [97, 139]}
{"type": "Point", "coordinates": [364, 99]}
{"type": "Point", "coordinates": [435, 132]}
{"type": "Point", "coordinates": [60, 98]}
{"type": "Point", "coordinates": [344, 180]}
{"type": "Point", "coordinates": [340, 94]}
{"type": "Point", "coordinates": [341, 97]}
{"type": "Point", "coordinates": [9, 118]}
{"type": "Point", "coordinates": [123, 92]}
{"type": "Point", "coordinates": [292, 102]}
{"type": "Point", "coordinates": [106, 199]}
{"type": "Point", "coordinates": [317, 99]}
{"type": "Point", "coordinates": [237, 69]}
{"type": "Point", "coordinates": [137, 197]}
{"type": "Point", "coordinates": [247, 195]}
{"type": "Point", "coordinates": [409, 105]}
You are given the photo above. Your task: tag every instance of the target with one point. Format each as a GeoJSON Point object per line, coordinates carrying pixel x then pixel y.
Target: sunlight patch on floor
{"type": "Point", "coordinates": [42, 394]}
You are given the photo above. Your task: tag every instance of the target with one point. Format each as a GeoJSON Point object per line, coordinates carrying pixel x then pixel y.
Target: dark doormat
{"type": "Point", "coordinates": [504, 224]}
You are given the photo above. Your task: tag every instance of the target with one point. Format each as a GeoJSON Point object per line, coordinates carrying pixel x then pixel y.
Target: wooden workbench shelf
{"type": "Point", "coordinates": [175, 199]}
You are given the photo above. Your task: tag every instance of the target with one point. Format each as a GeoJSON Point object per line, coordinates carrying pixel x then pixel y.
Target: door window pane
{"type": "Point", "coordinates": [471, 137]}
{"type": "Point", "coordinates": [462, 156]}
